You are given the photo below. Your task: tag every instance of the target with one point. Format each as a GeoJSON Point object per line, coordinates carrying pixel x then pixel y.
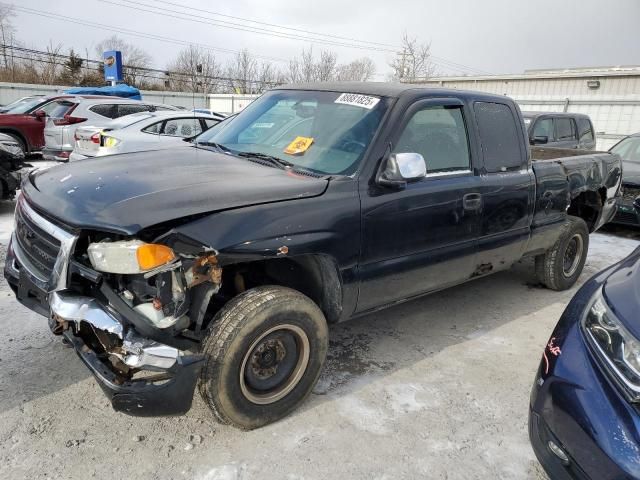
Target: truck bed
{"type": "Point", "coordinates": [575, 182]}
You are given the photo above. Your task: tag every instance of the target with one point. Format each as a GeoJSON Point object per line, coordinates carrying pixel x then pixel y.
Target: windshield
{"type": "Point", "coordinates": [628, 149]}
{"type": "Point", "coordinates": [325, 132]}
{"type": "Point", "coordinates": [23, 105]}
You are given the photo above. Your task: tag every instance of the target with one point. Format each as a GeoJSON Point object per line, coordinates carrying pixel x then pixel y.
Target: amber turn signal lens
{"type": "Point", "coordinates": [152, 255]}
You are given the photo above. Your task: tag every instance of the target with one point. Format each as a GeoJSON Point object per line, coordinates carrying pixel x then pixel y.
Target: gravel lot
{"type": "Point", "coordinates": [435, 388]}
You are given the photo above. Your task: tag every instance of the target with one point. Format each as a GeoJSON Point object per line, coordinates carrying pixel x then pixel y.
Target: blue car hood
{"type": "Point", "coordinates": [622, 292]}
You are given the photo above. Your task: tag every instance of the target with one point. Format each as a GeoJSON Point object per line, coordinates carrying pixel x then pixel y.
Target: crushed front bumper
{"type": "Point", "coordinates": [86, 322]}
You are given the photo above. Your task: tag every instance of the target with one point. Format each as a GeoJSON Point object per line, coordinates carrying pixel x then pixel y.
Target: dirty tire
{"type": "Point", "coordinates": [555, 269]}
{"type": "Point", "coordinates": [240, 329]}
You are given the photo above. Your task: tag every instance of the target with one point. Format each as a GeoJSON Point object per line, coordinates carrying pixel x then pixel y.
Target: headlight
{"type": "Point", "coordinates": [618, 348]}
{"type": "Point", "coordinates": [128, 256]}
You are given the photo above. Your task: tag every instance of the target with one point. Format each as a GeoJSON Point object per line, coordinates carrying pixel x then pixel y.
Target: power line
{"type": "Point", "coordinates": [235, 26]}
{"type": "Point", "coordinates": [437, 60]}
{"type": "Point", "coordinates": [277, 26]}
{"type": "Point", "coordinates": [127, 31]}
{"type": "Point", "coordinates": [246, 28]}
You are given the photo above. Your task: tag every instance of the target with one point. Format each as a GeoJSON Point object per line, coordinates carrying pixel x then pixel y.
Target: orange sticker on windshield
{"type": "Point", "coordinates": [299, 146]}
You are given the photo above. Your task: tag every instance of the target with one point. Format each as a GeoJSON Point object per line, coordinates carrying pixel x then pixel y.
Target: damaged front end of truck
{"type": "Point", "coordinates": [134, 310]}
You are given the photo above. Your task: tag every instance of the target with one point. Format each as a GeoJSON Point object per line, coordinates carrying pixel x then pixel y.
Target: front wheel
{"type": "Point", "coordinates": [263, 356]}
{"type": "Point", "coordinates": [560, 267]}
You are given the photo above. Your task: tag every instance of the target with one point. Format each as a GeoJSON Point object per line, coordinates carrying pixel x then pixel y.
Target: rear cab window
{"type": "Point", "coordinates": [565, 129]}
{"type": "Point", "coordinates": [500, 139]}
{"type": "Point", "coordinates": [585, 130]}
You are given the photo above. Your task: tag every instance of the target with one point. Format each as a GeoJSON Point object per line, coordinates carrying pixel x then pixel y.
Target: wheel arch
{"type": "Point", "coordinates": [588, 206]}
{"type": "Point", "coordinates": [19, 135]}
{"type": "Point", "coordinates": [315, 275]}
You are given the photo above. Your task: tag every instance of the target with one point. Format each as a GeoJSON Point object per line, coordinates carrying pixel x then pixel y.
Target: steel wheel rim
{"type": "Point", "coordinates": [292, 379]}
{"type": "Point", "coordinates": [572, 255]}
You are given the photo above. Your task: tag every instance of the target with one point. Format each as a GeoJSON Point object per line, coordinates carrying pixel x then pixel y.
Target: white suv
{"type": "Point", "coordinates": [59, 131]}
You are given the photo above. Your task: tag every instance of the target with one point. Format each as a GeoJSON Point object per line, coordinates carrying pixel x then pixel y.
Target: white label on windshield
{"type": "Point", "coordinates": [358, 100]}
{"type": "Point", "coordinates": [262, 125]}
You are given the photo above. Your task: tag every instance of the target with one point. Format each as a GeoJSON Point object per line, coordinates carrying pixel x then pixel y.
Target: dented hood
{"type": "Point", "coordinates": [129, 192]}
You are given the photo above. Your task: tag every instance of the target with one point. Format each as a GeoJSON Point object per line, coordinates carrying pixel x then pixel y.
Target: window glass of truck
{"type": "Point", "coordinates": [499, 137]}
{"type": "Point", "coordinates": [585, 132]}
{"type": "Point", "coordinates": [325, 132]}
{"type": "Point", "coordinates": [565, 129]}
{"type": "Point", "coordinates": [543, 128]}
{"type": "Point", "coordinates": [438, 133]}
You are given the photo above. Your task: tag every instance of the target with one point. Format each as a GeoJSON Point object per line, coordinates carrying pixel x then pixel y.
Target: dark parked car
{"type": "Point", "coordinates": [11, 161]}
{"type": "Point", "coordinates": [224, 262]}
{"type": "Point", "coordinates": [629, 150]}
{"type": "Point", "coordinates": [584, 420]}
{"type": "Point", "coordinates": [560, 130]}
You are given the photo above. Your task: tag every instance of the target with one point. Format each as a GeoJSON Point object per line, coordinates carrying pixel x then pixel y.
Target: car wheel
{"type": "Point", "coordinates": [560, 267]}
{"type": "Point", "coordinates": [19, 141]}
{"type": "Point", "coordinates": [263, 356]}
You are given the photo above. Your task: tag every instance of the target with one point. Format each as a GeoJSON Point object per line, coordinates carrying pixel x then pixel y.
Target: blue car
{"type": "Point", "coordinates": [584, 417]}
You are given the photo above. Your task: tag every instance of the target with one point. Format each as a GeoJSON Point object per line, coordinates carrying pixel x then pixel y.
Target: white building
{"type": "Point", "coordinates": [609, 95]}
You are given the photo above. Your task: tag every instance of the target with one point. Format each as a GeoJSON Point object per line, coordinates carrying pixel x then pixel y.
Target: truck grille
{"type": "Point", "coordinates": [40, 248]}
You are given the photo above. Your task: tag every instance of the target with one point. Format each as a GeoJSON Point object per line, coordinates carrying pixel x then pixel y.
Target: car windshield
{"type": "Point", "coordinates": [628, 149]}
{"type": "Point", "coordinates": [325, 132]}
{"type": "Point", "coordinates": [23, 105]}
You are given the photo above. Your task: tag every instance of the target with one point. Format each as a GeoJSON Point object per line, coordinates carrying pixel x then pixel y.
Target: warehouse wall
{"type": "Point", "coordinates": [614, 107]}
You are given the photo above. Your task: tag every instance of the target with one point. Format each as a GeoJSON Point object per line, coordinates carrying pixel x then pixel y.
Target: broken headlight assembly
{"type": "Point", "coordinates": [615, 345]}
{"type": "Point", "coordinates": [128, 256]}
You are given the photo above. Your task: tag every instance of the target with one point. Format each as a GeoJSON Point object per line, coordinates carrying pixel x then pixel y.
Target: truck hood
{"type": "Point", "coordinates": [129, 192]}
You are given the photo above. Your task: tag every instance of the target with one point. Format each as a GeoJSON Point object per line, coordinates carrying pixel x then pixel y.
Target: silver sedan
{"type": "Point", "coordinates": [140, 131]}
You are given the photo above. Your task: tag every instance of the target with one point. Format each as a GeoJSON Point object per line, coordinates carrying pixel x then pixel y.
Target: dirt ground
{"type": "Point", "coordinates": [436, 388]}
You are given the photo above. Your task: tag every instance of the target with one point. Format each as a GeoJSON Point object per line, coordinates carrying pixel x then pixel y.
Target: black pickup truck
{"type": "Point", "coordinates": [222, 263]}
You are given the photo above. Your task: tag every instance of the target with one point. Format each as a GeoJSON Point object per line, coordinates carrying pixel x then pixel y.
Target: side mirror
{"type": "Point", "coordinates": [402, 168]}
{"type": "Point", "coordinates": [541, 140]}
{"type": "Point", "coordinates": [40, 114]}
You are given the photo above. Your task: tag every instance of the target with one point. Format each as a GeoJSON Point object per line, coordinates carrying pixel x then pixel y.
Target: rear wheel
{"type": "Point", "coordinates": [263, 356]}
{"type": "Point", "coordinates": [19, 141]}
{"type": "Point", "coordinates": [560, 267]}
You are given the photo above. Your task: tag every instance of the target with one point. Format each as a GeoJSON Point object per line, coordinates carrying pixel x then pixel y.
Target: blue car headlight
{"type": "Point", "coordinates": [614, 344]}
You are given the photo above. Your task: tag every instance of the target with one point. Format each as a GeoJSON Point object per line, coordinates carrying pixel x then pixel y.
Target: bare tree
{"type": "Point", "coordinates": [51, 63]}
{"type": "Point", "coordinates": [242, 71]}
{"type": "Point", "coordinates": [360, 70]}
{"type": "Point", "coordinates": [268, 77]}
{"type": "Point", "coordinates": [413, 62]}
{"type": "Point", "coordinates": [135, 59]}
{"type": "Point", "coordinates": [7, 30]}
{"type": "Point", "coordinates": [306, 69]}
{"type": "Point", "coordinates": [195, 70]}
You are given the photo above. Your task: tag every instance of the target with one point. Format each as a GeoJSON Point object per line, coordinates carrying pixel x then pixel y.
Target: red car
{"type": "Point", "coordinates": [25, 121]}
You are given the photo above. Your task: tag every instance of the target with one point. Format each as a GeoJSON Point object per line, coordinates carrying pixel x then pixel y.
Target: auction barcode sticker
{"type": "Point", "coordinates": [357, 100]}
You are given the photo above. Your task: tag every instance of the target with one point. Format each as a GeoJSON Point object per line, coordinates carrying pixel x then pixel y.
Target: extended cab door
{"type": "Point", "coordinates": [507, 186]}
{"type": "Point", "coordinates": [422, 237]}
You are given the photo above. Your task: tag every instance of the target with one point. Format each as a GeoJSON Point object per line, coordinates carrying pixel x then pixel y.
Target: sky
{"type": "Point", "coordinates": [466, 36]}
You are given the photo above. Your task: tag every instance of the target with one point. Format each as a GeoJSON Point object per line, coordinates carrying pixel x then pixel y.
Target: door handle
{"type": "Point", "coordinates": [472, 201]}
